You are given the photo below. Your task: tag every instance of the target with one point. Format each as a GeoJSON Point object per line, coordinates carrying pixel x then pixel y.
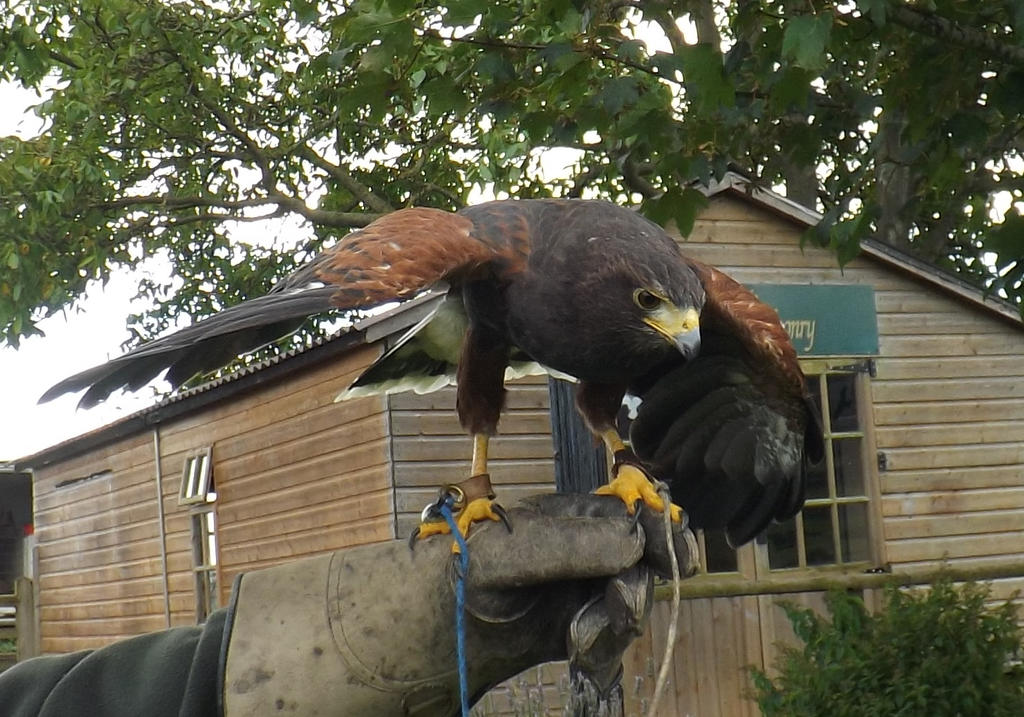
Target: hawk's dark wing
{"type": "Point", "coordinates": [393, 258]}
{"type": "Point", "coordinates": [734, 430]}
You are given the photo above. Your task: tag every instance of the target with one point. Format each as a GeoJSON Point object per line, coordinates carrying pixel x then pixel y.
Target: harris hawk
{"type": "Point", "coordinates": [583, 288]}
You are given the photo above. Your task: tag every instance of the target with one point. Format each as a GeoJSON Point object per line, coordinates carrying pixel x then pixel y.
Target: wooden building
{"type": "Point", "coordinates": [145, 523]}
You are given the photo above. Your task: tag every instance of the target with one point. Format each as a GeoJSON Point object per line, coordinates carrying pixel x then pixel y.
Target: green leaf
{"type": "Point", "coordinates": [793, 89]}
{"type": "Point", "coordinates": [1007, 239]}
{"type": "Point", "coordinates": [465, 12]}
{"type": "Point", "coordinates": [445, 96]}
{"type": "Point", "coordinates": [305, 11]}
{"type": "Point", "coordinates": [496, 66]}
{"type": "Point", "coordinates": [666, 63]}
{"type": "Point", "coordinates": [676, 206]}
{"type": "Point", "coordinates": [376, 58]}
{"type": "Point", "coordinates": [874, 9]}
{"type": "Point", "coordinates": [805, 40]}
{"type": "Point", "coordinates": [705, 78]}
{"type": "Point", "coordinates": [632, 50]}
{"type": "Point", "coordinates": [617, 93]}
{"type": "Point", "coordinates": [560, 56]}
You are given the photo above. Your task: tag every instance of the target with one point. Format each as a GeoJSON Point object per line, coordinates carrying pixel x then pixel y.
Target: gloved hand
{"type": "Point", "coordinates": [371, 630]}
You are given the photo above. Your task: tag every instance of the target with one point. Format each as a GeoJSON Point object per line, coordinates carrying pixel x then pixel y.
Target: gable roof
{"type": "Point", "coordinates": [735, 184]}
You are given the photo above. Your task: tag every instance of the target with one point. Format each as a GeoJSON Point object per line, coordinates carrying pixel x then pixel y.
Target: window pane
{"type": "Point", "coordinates": [853, 532]}
{"type": "Point", "coordinates": [846, 453]}
{"type": "Point", "coordinates": [193, 479]}
{"type": "Point", "coordinates": [842, 402]}
{"type": "Point", "coordinates": [720, 557]}
{"type": "Point", "coordinates": [197, 540]}
{"type": "Point", "coordinates": [817, 481]}
{"type": "Point", "coordinates": [210, 558]}
{"type": "Point", "coordinates": [782, 550]}
{"type": "Point", "coordinates": [206, 594]}
{"type": "Point", "coordinates": [211, 589]}
{"type": "Point", "coordinates": [818, 535]}
{"type": "Point", "coordinates": [202, 464]}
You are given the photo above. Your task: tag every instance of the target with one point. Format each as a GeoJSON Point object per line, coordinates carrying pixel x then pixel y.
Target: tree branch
{"type": "Point", "coordinates": [342, 176]}
{"type": "Point", "coordinates": [940, 28]}
{"type": "Point", "coordinates": [327, 218]}
{"type": "Point", "coordinates": [632, 175]}
{"type": "Point", "coordinates": [322, 217]}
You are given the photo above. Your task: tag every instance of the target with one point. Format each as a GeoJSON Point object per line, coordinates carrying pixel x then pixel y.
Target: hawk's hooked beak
{"type": "Point", "coordinates": [680, 326]}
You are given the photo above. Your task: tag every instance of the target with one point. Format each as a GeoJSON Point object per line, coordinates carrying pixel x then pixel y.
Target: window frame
{"type": "Point", "coordinates": [752, 560]}
{"type": "Point", "coordinates": [199, 493]}
{"type": "Point", "coordinates": [205, 559]}
{"type": "Point", "coordinates": [861, 369]}
{"type": "Point", "coordinates": [196, 476]}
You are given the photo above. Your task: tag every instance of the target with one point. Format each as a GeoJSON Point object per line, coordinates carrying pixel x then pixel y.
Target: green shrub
{"type": "Point", "coordinates": [931, 653]}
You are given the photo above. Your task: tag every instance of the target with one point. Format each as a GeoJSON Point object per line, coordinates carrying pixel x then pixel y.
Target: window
{"type": "Point", "coordinates": [198, 490]}
{"type": "Point", "coordinates": [195, 477]}
{"type": "Point", "coordinates": [834, 527]}
{"type": "Point", "coordinates": [204, 561]}
{"type": "Point", "coordinates": [838, 524]}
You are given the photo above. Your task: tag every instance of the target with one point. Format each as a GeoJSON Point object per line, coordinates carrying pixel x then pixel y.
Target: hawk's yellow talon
{"type": "Point", "coordinates": [474, 512]}
{"type": "Point", "coordinates": [427, 529]}
{"type": "Point", "coordinates": [631, 485]}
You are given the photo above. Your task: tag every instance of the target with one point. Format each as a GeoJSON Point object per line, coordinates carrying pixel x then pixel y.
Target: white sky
{"type": "Point", "coordinates": [73, 342]}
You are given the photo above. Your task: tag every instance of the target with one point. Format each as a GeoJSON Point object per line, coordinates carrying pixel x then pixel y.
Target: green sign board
{"type": "Point", "coordinates": [825, 319]}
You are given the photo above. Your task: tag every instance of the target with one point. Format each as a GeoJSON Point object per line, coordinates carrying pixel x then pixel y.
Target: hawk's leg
{"type": "Point", "coordinates": [599, 404]}
{"type": "Point", "coordinates": [630, 482]}
{"type": "Point", "coordinates": [480, 398]}
{"type": "Point", "coordinates": [473, 498]}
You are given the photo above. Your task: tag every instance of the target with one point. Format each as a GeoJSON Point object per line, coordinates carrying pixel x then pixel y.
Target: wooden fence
{"type": "Point", "coordinates": [18, 622]}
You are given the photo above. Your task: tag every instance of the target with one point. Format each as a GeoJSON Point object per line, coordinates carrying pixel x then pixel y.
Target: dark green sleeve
{"type": "Point", "coordinates": [172, 673]}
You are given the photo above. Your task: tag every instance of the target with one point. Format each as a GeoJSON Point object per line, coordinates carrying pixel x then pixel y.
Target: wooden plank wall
{"type": "Point", "coordinates": [430, 448]}
{"type": "Point", "coordinates": [715, 639]}
{"type": "Point", "coordinates": [296, 474]}
{"type": "Point", "coordinates": [98, 547]}
{"type": "Point", "coordinates": [948, 398]}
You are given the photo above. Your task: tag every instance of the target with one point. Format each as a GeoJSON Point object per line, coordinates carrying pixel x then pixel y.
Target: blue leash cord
{"type": "Point", "coordinates": [460, 603]}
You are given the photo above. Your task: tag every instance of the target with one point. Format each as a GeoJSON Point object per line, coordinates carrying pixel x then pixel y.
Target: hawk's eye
{"type": "Point", "coordinates": [646, 300]}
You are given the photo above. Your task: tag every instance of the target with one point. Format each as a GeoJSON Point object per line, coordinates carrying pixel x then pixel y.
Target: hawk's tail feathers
{"type": "Point", "coordinates": [204, 346]}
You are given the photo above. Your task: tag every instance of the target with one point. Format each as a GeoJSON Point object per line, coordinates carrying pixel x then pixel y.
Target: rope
{"type": "Point", "coordinates": [460, 603]}
{"type": "Point", "coordinates": [670, 639]}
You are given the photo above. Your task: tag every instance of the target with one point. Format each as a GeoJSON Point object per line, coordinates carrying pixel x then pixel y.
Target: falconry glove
{"type": "Point", "coordinates": [370, 630]}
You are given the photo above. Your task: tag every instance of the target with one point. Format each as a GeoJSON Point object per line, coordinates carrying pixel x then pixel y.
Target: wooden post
{"type": "Point", "coordinates": [580, 464]}
{"type": "Point", "coordinates": [25, 619]}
